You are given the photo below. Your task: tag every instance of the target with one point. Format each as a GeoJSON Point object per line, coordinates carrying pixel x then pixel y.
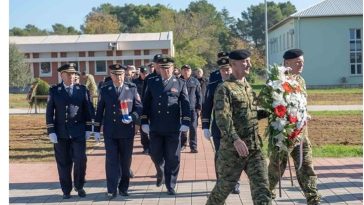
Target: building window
{"type": "Point", "coordinates": [91, 54]}
{"type": "Point", "coordinates": [137, 52]}
{"type": "Point", "coordinates": [100, 67]}
{"type": "Point", "coordinates": [146, 52]}
{"type": "Point", "coordinates": [128, 62]}
{"type": "Point", "coordinates": [45, 69]}
{"type": "Point", "coordinates": [35, 55]}
{"type": "Point", "coordinates": [356, 52]}
{"type": "Point", "coordinates": [27, 55]}
{"type": "Point", "coordinates": [54, 55]}
{"type": "Point", "coordinates": [63, 55]}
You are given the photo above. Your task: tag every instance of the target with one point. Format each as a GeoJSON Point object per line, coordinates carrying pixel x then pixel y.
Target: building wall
{"type": "Point", "coordinates": [278, 42]}
{"type": "Point", "coordinates": [325, 42]}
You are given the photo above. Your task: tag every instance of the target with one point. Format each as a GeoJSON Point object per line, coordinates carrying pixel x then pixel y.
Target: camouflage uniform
{"type": "Point", "coordinates": [236, 117]}
{"type": "Point", "coordinates": [91, 85]}
{"type": "Point", "coordinates": [306, 175]}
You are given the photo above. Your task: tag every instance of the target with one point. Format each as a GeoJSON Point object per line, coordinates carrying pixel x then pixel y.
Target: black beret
{"type": "Point", "coordinates": [156, 57]}
{"type": "Point", "coordinates": [186, 66]}
{"type": "Point", "coordinates": [222, 62]}
{"type": "Point", "coordinates": [293, 53]}
{"type": "Point", "coordinates": [222, 54]}
{"type": "Point", "coordinates": [143, 69]}
{"type": "Point", "coordinates": [239, 54]}
{"type": "Point", "coordinates": [116, 68]}
{"type": "Point", "coordinates": [68, 67]}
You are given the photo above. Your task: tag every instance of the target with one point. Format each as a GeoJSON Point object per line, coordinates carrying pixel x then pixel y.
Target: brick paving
{"type": "Point", "coordinates": [340, 181]}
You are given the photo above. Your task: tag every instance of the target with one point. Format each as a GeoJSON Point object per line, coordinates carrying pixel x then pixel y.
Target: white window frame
{"type": "Point", "coordinates": [41, 74]}
{"type": "Point", "coordinates": [356, 52]}
{"type": "Point", "coordinates": [98, 72]}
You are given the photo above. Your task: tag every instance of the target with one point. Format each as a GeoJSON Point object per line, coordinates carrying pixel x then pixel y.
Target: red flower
{"type": "Point", "coordinates": [294, 134]}
{"type": "Point", "coordinates": [292, 119]}
{"type": "Point", "coordinates": [280, 111]}
{"type": "Point", "coordinates": [287, 87]}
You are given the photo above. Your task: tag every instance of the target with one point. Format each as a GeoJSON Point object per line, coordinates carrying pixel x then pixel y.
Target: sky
{"type": "Point", "coordinates": [44, 13]}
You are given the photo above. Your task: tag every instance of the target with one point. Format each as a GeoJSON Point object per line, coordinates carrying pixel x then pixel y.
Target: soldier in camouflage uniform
{"type": "Point", "coordinates": [306, 175]}
{"type": "Point", "coordinates": [90, 84]}
{"type": "Point", "coordinates": [240, 146]}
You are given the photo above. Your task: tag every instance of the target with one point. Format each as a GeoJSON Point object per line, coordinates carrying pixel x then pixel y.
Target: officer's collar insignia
{"type": "Point", "coordinates": [157, 79]}
{"type": "Point", "coordinates": [126, 88]}
{"type": "Point", "coordinates": [223, 61]}
{"type": "Point", "coordinates": [174, 90]}
{"type": "Point", "coordinates": [110, 87]}
{"type": "Point", "coordinates": [174, 80]}
{"type": "Point", "coordinates": [77, 87]}
{"type": "Point", "coordinates": [59, 88]}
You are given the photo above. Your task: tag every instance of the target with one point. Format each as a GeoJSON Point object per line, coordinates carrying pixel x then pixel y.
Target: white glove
{"type": "Point", "coordinates": [184, 128]}
{"type": "Point", "coordinates": [207, 133]}
{"type": "Point", "coordinates": [88, 135]}
{"type": "Point", "coordinates": [128, 120]}
{"type": "Point", "coordinates": [53, 138]}
{"type": "Point", "coordinates": [145, 129]}
{"type": "Point", "coordinates": [97, 136]}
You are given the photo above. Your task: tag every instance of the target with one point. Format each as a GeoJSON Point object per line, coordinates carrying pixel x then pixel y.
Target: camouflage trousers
{"type": "Point", "coordinates": [229, 167]}
{"type": "Point", "coordinates": [306, 175]}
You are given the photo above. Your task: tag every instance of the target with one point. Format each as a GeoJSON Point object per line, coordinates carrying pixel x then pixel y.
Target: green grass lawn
{"type": "Point", "coordinates": [18, 101]}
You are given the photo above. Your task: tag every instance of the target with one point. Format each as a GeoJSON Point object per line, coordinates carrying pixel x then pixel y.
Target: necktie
{"type": "Point", "coordinates": [117, 91]}
{"type": "Point", "coordinates": [68, 89]}
{"type": "Point", "coordinates": [165, 82]}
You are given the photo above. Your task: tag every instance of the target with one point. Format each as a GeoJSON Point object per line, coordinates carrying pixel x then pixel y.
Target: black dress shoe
{"type": "Point", "coordinates": [111, 195]}
{"type": "Point", "coordinates": [81, 192]}
{"type": "Point", "coordinates": [66, 196]}
{"type": "Point", "coordinates": [171, 192]}
{"type": "Point", "coordinates": [236, 189]}
{"type": "Point", "coordinates": [160, 181]}
{"type": "Point", "coordinates": [194, 151]}
{"type": "Point", "coordinates": [124, 193]}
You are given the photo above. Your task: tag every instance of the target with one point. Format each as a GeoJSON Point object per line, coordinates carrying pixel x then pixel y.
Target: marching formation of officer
{"type": "Point", "coordinates": [69, 117]}
{"type": "Point", "coordinates": [159, 99]}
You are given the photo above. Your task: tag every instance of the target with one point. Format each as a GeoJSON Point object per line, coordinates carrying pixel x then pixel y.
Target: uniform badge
{"type": "Point", "coordinates": [174, 80]}
{"type": "Point", "coordinates": [174, 90]}
{"type": "Point", "coordinates": [73, 110]}
{"type": "Point", "coordinates": [157, 79]}
{"type": "Point", "coordinates": [59, 88]}
{"type": "Point", "coordinates": [77, 87]}
{"type": "Point", "coordinates": [110, 88]}
{"type": "Point", "coordinates": [126, 88]}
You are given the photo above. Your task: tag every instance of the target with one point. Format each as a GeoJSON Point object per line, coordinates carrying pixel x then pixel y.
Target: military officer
{"type": "Point", "coordinates": [207, 112]}
{"type": "Point", "coordinates": [69, 117]}
{"type": "Point", "coordinates": [195, 98]}
{"type": "Point", "coordinates": [306, 175]}
{"type": "Point", "coordinates": [240, 145]}
{"type": "Point", "coordinates": [118, 108]}
{"type": "Point", "coordinates": [215, 75]}
{"type": "Point", "coordinates": [139, 82]}
{"type": "Point", "coordinates": [165, 115]}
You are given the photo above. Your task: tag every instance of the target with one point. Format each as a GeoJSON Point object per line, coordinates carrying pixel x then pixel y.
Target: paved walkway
{"type": "Point", "coordinates": [340, 181]}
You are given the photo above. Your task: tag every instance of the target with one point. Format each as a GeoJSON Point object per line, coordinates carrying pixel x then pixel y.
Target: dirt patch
{"type": "Point", "coordinates": [345, 130]}
{"type": "Point", "coordinates": [28, 140]}
{"type": "Point", "coordinates": [335, 99]}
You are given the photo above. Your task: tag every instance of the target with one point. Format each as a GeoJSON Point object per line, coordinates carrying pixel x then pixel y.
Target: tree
{"type": "Point", "coordinates": [60, 29]}
{"type": "Point", "coordinates": [29, 30]}
{"type": "Point", "coordinates": [251, 25]}
{"type": "Point", "coordinates": [19, 71]}
{"type": "Point", "coordinates": [100, 23]}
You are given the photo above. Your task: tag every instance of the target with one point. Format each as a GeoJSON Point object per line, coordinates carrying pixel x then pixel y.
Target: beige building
{"type": "Point", "coordinates": [92, 53]}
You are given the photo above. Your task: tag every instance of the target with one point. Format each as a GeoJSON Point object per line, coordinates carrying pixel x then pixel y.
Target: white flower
{"type": "Point", "coordinates": [292, 111]}
{"type": "Point", "coordinates": [279, 123]}
{"type": "Point", "coordinates": [282, 76]}
{"type": "Point", "coordinates": [276, 85]}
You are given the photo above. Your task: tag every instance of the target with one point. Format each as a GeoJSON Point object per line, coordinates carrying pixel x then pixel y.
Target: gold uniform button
{"type": "Point", "coordinates": [114, 113]}
{"type": "Point", "coordinates": [114, 120]}
{"type": "Point", "coordinates": [160, 96]}
{"type": "Point", "coordinates": [159, 111]}
{"type": "Point", "coordinates": [75, 121]}
{"type": "Point", "coordinates": [66, 120]}
{"type": "Point", "coordinates": [167, 112]}
{"type": "Point", "coordinates": [113, 105]}
{"type": "Point", "coordinates": [159, 103]}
